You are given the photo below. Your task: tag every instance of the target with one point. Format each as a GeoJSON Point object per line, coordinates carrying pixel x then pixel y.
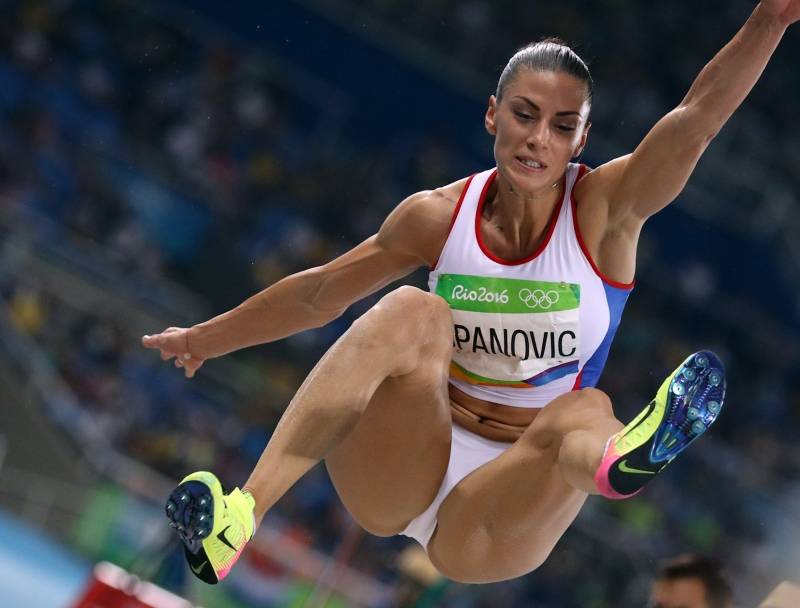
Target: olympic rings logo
{"type": "Point", "coordinates": [538, 298]}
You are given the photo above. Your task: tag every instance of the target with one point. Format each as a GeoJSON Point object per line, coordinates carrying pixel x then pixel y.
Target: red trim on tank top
{"type": "Point", "coordinates": [453, 219]}
{"type": "Point", "coordinates": [581, 172]}
{"type": "Point", "coordinates": [550, 229]}
{"type": "Point", "coordinates": [578, 379]}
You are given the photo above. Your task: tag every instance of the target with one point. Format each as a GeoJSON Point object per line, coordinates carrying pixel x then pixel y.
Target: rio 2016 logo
{"type": "Point", "coordinates": [538, 298]}
{"type": "Point", "coordinates": [479, 295]}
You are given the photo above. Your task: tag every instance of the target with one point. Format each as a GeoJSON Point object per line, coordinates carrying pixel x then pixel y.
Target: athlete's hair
{"type": "Point", "coordinates": [547, 55]}
{"type": "Point", "coordinates": [708, 570]}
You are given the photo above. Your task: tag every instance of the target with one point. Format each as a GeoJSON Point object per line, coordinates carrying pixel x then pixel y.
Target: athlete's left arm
{"type": "Point", "coordinates": [640, 184]}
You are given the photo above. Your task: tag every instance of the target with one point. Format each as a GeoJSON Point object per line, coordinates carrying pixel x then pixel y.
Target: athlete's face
{"type": "Point", "coordinates": [687, 592]}
{"type": "Point", "coordinates": [540, 123]}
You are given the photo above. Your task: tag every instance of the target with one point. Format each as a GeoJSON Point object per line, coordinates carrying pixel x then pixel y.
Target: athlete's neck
{"type": "Point", "coordinates": [522, 218]}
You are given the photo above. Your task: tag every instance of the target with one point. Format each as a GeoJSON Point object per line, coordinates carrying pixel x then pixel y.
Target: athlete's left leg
{"type": "Point", "coordinates": [504, 519]}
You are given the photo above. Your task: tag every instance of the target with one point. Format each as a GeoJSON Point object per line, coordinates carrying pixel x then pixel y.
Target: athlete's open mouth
{"type": "Point", "coordinates": [531, 163]}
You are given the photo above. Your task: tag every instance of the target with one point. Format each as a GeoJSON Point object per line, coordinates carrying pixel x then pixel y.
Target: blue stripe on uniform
{"type": "Point", "coordinates": [554, 373]}
{"type": "Point", "coordinates": [616, 298]}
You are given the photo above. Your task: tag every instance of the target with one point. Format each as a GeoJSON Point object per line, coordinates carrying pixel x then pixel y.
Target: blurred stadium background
{"type": "Point", "coordinates": [162, 160]}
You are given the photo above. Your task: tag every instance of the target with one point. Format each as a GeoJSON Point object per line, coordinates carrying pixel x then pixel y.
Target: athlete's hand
{"type": "Point", "coordinates": [787, 11]}
{"type": "Point", "coordinates": [174, 342]}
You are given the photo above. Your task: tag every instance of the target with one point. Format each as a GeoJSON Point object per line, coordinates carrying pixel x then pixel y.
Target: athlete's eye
{"type": "Point", "coordinates": [566, 128]}
{"type": "Point", "coordinates": [523, 116]}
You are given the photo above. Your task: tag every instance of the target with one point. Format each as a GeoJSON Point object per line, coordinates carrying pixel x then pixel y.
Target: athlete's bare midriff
{"type": "Point", "coordinates": [490, 420]}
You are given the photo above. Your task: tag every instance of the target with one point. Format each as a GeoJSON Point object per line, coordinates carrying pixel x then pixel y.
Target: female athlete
{"type": "Point", "coordinates": [465, 417]}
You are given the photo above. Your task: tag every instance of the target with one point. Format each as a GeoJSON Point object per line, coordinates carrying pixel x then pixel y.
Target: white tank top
{"type": "Point", "coordinates": [525, 331]}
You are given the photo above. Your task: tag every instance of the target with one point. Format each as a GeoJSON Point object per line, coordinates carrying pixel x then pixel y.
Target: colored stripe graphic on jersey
{"type": "Point", "coordinates": [533, 325]}
{"type": "Point", "coordinates": [538, 380]}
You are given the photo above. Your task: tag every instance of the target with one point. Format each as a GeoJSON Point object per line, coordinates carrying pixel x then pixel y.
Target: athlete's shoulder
{"type": "Point", "coordinates": [422, 221]}
{"type": "Point", "coordinates": [433, 208]}
{"type": "Point", "coordinates": [452, 192]}
{"type": "Point", "coordinates": [439, 201]}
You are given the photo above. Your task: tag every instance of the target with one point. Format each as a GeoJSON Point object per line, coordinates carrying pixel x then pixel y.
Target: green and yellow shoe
{"type": "Point", "coordinates": [685, 406]}
{"type": "Point", "coordinates": [214, 527]}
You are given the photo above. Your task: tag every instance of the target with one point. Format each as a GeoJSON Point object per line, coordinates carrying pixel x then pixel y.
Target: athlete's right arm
{"type": "Point", "coordinates": [411, 236]}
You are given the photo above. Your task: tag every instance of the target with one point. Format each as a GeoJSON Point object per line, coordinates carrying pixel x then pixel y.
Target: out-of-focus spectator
{"type": "Point", "coordinates": [691, 581]}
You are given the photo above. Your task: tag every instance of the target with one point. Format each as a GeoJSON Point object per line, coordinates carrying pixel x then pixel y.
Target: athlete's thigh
{"type": "Point", "coordinates": [503, 519]}
{"type": "Point", "coordinates": [389, 468]}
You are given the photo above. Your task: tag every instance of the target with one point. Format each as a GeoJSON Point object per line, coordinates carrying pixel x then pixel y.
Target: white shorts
{"type": "Point", "coordinates": [468, 451]}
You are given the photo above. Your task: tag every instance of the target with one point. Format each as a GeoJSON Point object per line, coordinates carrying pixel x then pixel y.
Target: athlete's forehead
{"type": "Point", "coordinates": [549, 91]}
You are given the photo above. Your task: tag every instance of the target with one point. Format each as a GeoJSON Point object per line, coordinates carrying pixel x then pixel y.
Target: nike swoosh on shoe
{"type": "Point", "coordinates": [624, 468]}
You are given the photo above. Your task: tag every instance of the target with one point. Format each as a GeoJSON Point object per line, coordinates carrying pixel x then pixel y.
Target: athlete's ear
{"type": "Point", "coordinates": [491, 111]}
{"type": "Point", "coordinates": [582, 143]}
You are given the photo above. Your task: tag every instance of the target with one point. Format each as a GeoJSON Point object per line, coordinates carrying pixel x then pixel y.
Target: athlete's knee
{"type": "Point", "coordinates": [415, 315]}
{"type": "Point", "coordinates": [576, 408]}
{"type": "Point", "coordinates": [572, 411]}
{"type": "Point", "coordinates": [402, 298]}
{"type": "Point", "coordinates": [411, 302]}
{"type": "Point", "coordinates": [595, 400]}
{"type": "Point", "coordinates": [411, 327]}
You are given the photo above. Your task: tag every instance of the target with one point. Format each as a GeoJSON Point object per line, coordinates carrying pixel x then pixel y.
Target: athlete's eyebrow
{"type": "Point", "coordinates": [538, 109]}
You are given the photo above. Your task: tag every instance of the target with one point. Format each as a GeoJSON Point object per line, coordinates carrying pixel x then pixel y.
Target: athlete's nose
{"type": "Point", "coordinates": [539, 135]}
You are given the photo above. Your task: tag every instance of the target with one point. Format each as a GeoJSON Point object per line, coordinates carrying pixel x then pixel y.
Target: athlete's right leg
{"type": "Point", "coordinates": [376, 408]}
{"type": "Point", "coordinates": [375, 405]}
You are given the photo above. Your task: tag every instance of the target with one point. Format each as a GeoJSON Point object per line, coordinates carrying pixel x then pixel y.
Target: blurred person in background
{"type": "Point", "coordinates": [691, 581]}
{"type": "Point", "coordinates": [456, 420]}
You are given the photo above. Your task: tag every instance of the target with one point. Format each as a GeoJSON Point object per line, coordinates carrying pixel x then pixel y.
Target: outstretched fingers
{"type": "Point", "coordinates": [173, 343]}
{"type": "Point", "coordinates": [161, 343]}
